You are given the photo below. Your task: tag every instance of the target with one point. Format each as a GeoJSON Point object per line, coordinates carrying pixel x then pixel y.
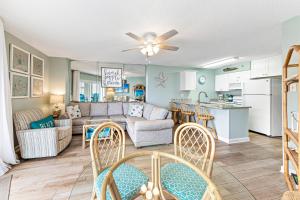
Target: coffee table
{"type": "Point", "coordinates": [92, 123]}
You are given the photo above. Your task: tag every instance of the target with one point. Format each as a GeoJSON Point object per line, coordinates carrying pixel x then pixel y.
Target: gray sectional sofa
{"type": "Point", "coordinates": [153, 128]}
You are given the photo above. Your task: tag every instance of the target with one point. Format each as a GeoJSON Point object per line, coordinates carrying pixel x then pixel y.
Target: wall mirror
{"type": "Point", "coordinates": [87, 82]}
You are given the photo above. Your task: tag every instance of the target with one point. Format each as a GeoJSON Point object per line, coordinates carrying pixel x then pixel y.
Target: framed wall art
{"type": "Point", "coordinates": [111, 77]}
{"type": "Point", "coordinates": [19, 85]}
{"type": "Point", "coordinates": [37, 66]}
{"type": "Point", "coordinates": [19, 59]}
{"type": "Point", "coordinates": [37, 87]}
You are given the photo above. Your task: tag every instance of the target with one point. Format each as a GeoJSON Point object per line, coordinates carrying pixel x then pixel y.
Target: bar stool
{"type": "Point", "coordinates": [204, 116]}
{"type": "Point", "coordinates": [186, 113]}
{"type": "Point", "coordinates": [175, 112]}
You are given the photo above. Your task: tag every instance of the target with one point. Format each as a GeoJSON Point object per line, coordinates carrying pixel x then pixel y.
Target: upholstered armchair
{"type": "Point", "coordinates": [45, 142]}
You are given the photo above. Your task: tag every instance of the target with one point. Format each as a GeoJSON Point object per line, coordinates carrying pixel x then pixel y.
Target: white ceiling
{"type": "Point", "coordinates": [95, 30]}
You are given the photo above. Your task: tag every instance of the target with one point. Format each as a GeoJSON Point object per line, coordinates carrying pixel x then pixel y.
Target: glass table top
{"type": "Point", "coordinates": [229, 187]}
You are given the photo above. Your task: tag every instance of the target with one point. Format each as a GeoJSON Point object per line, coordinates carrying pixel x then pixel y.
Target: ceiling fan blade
{"type": "Point", "coordinates": [134, 36]}
{"type": "Point", "coordinates": [168, 47]}
{"type": "Point", "coordinates": [137, 48]}
{"type": "Point", "coordinates": [166, 35]}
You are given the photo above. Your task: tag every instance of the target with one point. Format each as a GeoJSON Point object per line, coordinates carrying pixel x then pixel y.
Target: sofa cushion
{"type": "Point", "coordinates": [134, 119]}
{"type": "Point", "coordinates": [147, 110]}
{"type": "Point", "coordinates": [22, 119]}
{"type": "Point", "coordinates": [153, 125]}
{"type": "Point", "coordinates": [115, 108]}
{"type": "Point", "coordinates": [125, 107]}
{"type": "Point", "coordinates": [135, 110]}
{"type": "Point", "coordinates": [158, 113]}
{"type": "Point", "coordinates": [80, 121]}
{"type": "Point", "coordinates": [98, 109]}
{"type": "Point", "coordinates": [118, 118]}
{"type": "Point", "coordinates": [85, 109]}
{"type": "Point", "coordinates": [100, 119]}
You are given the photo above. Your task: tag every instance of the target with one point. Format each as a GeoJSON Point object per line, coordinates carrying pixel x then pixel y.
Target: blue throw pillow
{"type": "Point", "coordinates": [104, 133]}
{"type": "Point", "coordinates": [47, 122]}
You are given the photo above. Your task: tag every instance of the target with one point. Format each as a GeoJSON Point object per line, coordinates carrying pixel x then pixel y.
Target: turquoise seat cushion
{"type": "Point", "coordinates": [104, 133]}
{"type": "Point", "coordinates": [47, 122]}
{"type": "Point", "coordinates": [182, 181]}
{"type": "Point", "coordinates": [128, 178]}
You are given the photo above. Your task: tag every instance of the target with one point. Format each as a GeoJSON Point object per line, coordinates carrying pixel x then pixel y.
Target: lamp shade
{"type": "Point", "coordinates": [56, 99]}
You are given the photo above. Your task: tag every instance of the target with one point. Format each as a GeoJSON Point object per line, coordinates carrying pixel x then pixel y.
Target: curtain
{"type": "Point", "coordinates": [76, 86]}
{"type": "Point", "coordinates": [7, 151]}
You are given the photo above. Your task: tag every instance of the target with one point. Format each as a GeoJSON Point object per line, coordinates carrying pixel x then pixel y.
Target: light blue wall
{"type": "Point", "coordinates": [161, 96]}
{"type": "Point", "coordinates": [59, 76]}
{"type": "Point", "coordinates": [291, 36]}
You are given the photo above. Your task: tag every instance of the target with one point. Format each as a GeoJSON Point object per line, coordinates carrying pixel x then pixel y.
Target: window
{"type": "Point", "coordinates": [90, 91]}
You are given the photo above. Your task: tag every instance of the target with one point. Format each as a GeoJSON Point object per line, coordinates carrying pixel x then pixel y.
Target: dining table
{"type": "Point", "coordinates": [228, 186]}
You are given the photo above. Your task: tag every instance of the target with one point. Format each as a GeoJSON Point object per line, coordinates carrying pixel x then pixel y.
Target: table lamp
{"type": "Point", "coordinates": [56, 100]}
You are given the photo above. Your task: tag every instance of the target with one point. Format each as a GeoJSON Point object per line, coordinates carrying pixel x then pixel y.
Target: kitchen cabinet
{"type": "Point", "coordinates": [187, 80]}
{"type": "Point", "coordinates": [222, 82]}
{"type": "Point", "coordinates": [231, 81]}
{"type": "Point", "coordinates": [266, 67]}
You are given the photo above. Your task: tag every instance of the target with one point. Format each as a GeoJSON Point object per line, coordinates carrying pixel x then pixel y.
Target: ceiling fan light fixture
{"type": "Point", "coordinates": [155, 49]}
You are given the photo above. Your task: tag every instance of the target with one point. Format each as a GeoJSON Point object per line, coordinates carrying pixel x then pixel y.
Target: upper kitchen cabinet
{"type": "Point", "coordinates": [187, 80]}
{"type": "Point", "coordinates": [266, 67]}
{"type": "Point", "coordinates": [222, 82]}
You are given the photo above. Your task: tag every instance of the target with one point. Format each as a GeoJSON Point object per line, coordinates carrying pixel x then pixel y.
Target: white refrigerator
{"type": "Point", "coordinates": [264, 97]}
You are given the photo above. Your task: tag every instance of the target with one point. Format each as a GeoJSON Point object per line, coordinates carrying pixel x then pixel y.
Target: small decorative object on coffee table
{"type": "Point", "coordinates": [56, 100]}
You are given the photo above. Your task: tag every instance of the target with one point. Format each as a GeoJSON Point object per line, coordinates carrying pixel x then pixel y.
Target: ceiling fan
{"type": "Point", "coordinates": [150, 43]}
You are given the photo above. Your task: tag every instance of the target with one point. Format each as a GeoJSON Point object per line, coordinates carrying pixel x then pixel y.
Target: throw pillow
{"type": "Point", "coordinates": [158, 113]}
{"type": "Point", "coordinates": [135, 110]}
{"type": "Point", "coordinates": [73, 112]}
{"type": "Point", "coordinates": [47, 122]}
{"type": "Point", "coordinates": [104, 133]}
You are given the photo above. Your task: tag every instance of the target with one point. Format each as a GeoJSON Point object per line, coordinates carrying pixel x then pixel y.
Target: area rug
{"type": "Point", "coordinates": [5, 182]}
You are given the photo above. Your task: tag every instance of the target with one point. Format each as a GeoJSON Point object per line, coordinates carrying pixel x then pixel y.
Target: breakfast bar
{"type": "Point", "coordinates": [230, 121]}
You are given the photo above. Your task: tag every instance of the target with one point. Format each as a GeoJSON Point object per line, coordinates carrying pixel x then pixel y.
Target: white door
{"type": "Point", "coordinates": [259, 113]}
{"type": "Point", "coordinates": [257, 86]}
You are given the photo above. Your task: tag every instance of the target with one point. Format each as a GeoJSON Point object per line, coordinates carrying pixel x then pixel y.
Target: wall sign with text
{"type": "Point", "coordinates": [111, 77]}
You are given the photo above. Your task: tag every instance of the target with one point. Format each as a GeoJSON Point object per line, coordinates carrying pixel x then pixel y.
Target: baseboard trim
{"type": "Point", "coordinates": [235, 140]}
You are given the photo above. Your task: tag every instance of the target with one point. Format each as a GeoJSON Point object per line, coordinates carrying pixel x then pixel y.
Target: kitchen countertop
{"type": "Point", "coordinates": [216, 105]}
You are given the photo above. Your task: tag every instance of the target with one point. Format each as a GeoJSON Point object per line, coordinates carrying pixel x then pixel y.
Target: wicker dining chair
{"type": "Point", "coordinates": [195, 144]}
{"type": "Point", "coordinates": [107, 147]}
{"type": "Point", "coordinates": [204, 116]}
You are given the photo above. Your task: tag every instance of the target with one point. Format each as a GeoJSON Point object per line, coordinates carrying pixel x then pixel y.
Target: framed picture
{"type": "Point", "coordinates": [19, 59]}
{"type": "Point", "coordinates": [37, 87]}
{"type": "Point", "coordinates": [19, 84]}
{"type": "Point", "coordinates": [37, 66]}
{"type": "Point", "coordinates": [111, 77]}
